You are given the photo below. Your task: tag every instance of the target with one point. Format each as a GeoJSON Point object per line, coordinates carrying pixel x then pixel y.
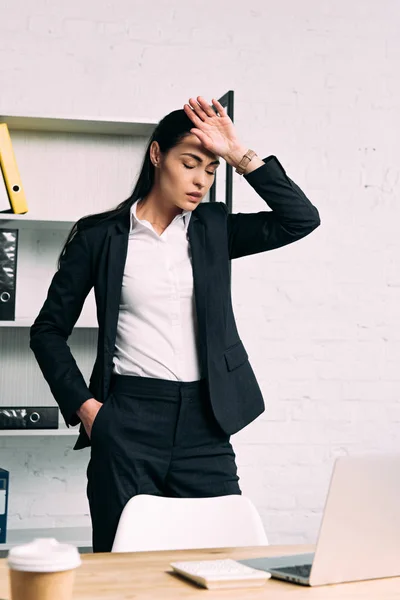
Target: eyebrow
{"type": "Point", "coordinates": [199, 159]}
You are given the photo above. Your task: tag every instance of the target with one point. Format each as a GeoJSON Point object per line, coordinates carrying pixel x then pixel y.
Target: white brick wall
{"type": "Point", "coordinates": [316, 84]}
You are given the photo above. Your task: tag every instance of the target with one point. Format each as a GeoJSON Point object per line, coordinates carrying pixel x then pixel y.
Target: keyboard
{"type": "Point", "coordinates": [220, 573]}
{"type": "Point", "coordinates": [300, 570]}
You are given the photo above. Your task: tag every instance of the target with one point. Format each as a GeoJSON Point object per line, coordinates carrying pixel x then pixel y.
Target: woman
{"type": "Point", "coordinates": [171, 380]}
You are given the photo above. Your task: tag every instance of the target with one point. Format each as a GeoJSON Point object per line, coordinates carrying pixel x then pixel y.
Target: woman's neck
{"type": "Point", "coordinates": [155, 212]}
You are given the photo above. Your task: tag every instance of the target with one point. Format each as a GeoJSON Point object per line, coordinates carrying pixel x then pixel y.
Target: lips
{"type": "Point", "coordinates": [194, 195]}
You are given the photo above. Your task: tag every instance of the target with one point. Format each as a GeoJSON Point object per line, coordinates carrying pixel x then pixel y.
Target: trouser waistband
{"type": "Point", "coordinates": [133, 384]}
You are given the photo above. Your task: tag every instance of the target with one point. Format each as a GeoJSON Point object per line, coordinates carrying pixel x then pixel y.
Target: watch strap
{"type": "Point", "coordinates": [240, 169]}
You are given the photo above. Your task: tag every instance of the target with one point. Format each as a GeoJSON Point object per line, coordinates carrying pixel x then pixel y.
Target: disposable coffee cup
{"type": "Point", "coordinates": [42, 570]}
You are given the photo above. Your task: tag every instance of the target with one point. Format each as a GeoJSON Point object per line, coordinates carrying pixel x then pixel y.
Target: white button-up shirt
{"type": "Point", "coordinates": [157, 324]}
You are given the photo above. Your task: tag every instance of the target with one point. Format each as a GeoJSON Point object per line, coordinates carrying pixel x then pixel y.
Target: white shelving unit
{"type": "Point", "coordinates": [69, 167]}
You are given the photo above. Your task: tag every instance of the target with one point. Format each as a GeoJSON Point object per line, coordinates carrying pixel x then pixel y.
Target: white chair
{"type": "Point", "coordinates": [158, 523]}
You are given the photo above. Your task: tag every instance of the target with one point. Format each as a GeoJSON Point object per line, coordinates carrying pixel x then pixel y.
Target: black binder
{"type": "Point", "coordinates": [29, 417]}
{"type": "Point", "coordinates": [8, 273]}
{"type": "Point", "coordinates": [4, 481]}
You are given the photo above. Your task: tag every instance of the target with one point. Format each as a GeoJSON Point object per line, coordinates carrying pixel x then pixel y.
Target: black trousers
{"type": "Point", "coordinates": [159, 437]}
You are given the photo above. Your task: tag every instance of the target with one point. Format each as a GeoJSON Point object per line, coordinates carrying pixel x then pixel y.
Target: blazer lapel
{"type": "Point", "coordinates": [197, 239]}
{"type": "Point", "coordinates": [117, 252]}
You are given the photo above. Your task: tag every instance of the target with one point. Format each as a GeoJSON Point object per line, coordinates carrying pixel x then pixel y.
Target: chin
{"type": "Point", "coordinates": [192, 204]}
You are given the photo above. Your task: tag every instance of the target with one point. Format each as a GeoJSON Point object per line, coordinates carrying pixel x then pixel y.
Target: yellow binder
{"type": "Point", "coordinates": [10, 172]}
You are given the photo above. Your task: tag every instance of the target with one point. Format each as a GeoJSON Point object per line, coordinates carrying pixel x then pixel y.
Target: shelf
{"type": "Point", "coordinates": [28, 322]}
{"type": "Point", "coordinates": [27, 220]}
{"type": "Point", "coordinates": [61, 431]}
{"type": "Point", "coordinates": [82, 125]}
{"type": "Point", "coordinates": [78, 536]}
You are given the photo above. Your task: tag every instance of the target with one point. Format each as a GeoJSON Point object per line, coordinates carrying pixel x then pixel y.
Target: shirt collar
{"type": "Point", "coordinates": [185, 215]}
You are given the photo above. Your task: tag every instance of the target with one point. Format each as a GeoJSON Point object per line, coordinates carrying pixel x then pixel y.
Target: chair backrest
{"type": "Point", "coordinates": [158, 523]}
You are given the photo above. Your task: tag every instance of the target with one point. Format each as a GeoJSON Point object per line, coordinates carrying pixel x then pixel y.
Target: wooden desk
{"type": "Point", "coordinates": [144, 575]}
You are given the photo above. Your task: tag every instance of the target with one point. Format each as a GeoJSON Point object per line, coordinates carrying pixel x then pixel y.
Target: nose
{"type": "Point", "coordinates": [199, 180]}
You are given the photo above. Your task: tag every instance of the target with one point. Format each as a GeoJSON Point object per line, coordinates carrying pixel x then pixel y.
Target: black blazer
{"type": "Point", "coordinates": [96, 258]}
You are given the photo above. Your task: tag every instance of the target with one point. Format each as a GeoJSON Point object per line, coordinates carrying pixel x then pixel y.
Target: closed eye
{"type": "Point", "coordinates": [208, 172]}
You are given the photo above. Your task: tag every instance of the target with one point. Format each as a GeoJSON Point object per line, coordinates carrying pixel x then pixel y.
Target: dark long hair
{"type": "Point", "coordinates": [168, 133]}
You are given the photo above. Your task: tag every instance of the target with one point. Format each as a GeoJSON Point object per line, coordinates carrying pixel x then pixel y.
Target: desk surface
{"type": "Point", "coordinates": [146, 575]}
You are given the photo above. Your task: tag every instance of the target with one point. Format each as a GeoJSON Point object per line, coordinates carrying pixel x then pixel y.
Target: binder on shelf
{"type": "Point", "coordinates": [4, 485]}
{"type": "Point", "coordinates": [10, 172]}
{"type": "Point", "coordinates": [5, 206]}
{"type": "Point", "coordinates": [29, 417]}
{"type": "Point", "coordinates": [8, 273]}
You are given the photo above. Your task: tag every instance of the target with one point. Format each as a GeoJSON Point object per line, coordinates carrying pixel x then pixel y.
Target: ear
{"type": "Point", "coordinates": [155, 153]}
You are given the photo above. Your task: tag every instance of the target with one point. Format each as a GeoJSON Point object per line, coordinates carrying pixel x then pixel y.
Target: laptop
{"type": "Point", "coordinates": [359, 537]}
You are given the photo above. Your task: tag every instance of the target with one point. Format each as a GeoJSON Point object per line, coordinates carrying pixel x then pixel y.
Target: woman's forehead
{"type": "Point", "coordinates": [196, 147]}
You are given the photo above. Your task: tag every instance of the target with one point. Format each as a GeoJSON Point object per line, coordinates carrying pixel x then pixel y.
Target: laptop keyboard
{"type": "Point", "coordinates": [301, 570]}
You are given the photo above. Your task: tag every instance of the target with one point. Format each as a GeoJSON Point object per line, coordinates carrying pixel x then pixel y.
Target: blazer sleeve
{"type": "Point", "coordinates": [292, 216]}
{"type": "Point", "coordinates": [54, 323]}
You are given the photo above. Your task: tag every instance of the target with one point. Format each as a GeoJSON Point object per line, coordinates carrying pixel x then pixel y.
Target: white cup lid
{"type": "Point", "coordinates": [44, 555]}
